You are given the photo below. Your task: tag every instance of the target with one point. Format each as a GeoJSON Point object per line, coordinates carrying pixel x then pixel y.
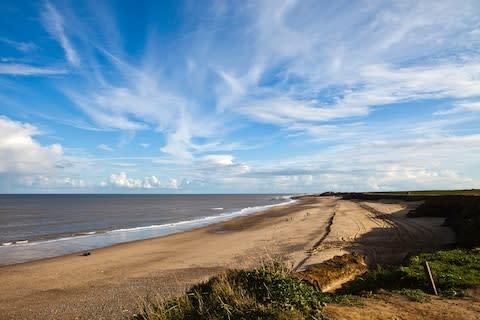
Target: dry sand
{"type": "Point", "coordinates": [113, 282]}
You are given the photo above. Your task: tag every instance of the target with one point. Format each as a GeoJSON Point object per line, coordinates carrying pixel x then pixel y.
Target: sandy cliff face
{"type": "Point", "coordinates": [332, 274]}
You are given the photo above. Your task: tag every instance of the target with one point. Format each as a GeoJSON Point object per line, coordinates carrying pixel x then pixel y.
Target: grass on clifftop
{"type": "Point", "coordinates": [273, 292]}
{"type": "Point", "coordinates": [467, 192]}
{"type": "Point", "coordinates": [453, 271]}
{"type": "Point", "coordinates": [269, 292]}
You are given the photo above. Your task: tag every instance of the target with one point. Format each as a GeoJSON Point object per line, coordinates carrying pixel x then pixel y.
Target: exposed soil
{"type": "Point", "coordinates": [332, 274]}
{"type": "Point", "coordinates": [399, 307]}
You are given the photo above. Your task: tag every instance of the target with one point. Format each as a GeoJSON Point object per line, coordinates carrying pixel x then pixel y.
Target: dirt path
{"type": "Point", "coordinates": [398, 307]}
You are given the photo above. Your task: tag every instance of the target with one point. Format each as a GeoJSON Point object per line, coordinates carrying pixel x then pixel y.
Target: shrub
{"type": "Point", "coordinates": [269, 292]}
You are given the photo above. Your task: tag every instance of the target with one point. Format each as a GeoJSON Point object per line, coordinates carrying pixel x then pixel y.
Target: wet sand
{"type": "Point", "coordinates": [113, 282]}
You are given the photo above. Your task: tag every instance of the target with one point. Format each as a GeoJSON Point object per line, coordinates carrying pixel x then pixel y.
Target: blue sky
{"type": "Point", "coordinates": [239, 96]}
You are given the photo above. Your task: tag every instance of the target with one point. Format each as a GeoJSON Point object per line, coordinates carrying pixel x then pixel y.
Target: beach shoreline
{"type": "Point", "coordinates": [113, 282]}
{"type": "Point", "coordinates": [114, 245]}
{"type": "Point", "coordinates": [15, 252]}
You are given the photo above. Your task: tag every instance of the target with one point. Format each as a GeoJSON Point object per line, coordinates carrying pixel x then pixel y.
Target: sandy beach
{"type": "Point", "coordinates": [113, 282]}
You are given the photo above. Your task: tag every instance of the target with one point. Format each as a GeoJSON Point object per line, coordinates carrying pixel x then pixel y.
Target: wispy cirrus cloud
{"type": "Point", "coordinates": [460, 107]}
{"type": "Point", "coordinates": [20, 45]}
{"type": "Point", "coordinates": [55, 25]}
{"type": "Point", "coordinates": [219, 159]}
{"type": "Point", "coordinates": [15, 69]}
{"type": "Point", "coordinates": [139, 99]}
{"type": "Point", "coordinates": [375, 74]}
{"type": "Point", "coordinates": [321, 69]}
{"type": "Point", "coordinates": [105, 147]}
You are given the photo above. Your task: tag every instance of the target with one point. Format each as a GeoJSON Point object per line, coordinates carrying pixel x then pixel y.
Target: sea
{"type": "Point", "coordinates": [35, 227]}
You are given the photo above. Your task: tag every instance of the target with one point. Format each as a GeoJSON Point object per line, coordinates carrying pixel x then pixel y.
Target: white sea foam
{"type": "Point", "coordinates": [198, 222]}
{"type": "Point", "coordinates": [163, 229]}
{"type": "Point", "coordinates": [283, 197]}
{"type": "Point", "coordinates": [87, 233]}
{"type": "Point", "coordinates": [217, 209]}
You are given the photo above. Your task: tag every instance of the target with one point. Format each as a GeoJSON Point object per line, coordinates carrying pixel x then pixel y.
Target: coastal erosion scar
{"type": "Point", "coordinates": [319, 242]}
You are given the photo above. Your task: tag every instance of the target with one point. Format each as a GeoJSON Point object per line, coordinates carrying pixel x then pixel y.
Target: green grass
{"type": "Point", "coordinates": [453, 271]}
{"type": "Point", "coordinates": [415, 295]}
{"type": "Point", "coordinates": [467, 192]}
{"type": "Point", "coordinates": [270, 292]}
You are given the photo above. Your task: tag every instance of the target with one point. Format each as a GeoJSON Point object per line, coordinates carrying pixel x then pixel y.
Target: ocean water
{"type": "Point", "coordinates": [41, 226]}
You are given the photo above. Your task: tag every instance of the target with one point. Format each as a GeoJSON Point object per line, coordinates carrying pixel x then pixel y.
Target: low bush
{"type": "Point", "coordinates": [269, 292]}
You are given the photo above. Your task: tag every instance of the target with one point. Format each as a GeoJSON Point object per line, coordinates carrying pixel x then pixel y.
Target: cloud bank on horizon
{"type": "Point", "coordinates": [253, 96]}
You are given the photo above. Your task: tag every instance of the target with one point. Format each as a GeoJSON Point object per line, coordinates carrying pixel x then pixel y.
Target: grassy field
{"type": "Point", "coordinates": [453, 271]}
{"type": "Point", "coordinates": [469, 192]}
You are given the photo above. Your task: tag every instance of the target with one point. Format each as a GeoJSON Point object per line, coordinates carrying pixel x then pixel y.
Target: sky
{"type": "Point", "coordinates": [239, 96]}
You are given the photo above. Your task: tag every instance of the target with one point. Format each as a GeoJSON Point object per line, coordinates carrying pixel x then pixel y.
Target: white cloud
{"type": "Point", "coordinates": [138, 100]}
{"type": "Point", "coordinates": [357, 59]}
{"type": "Point", "coordinates": [104, 147]}
{"type": "Point", "coordinates": [325, 41]}
{"type": "Point", "coordinates": [151, 182]}
{"type": "Point", "coordinates": [289, 183]}
{"type": "Point", "coordinates": [219, 167]}
{"type": "Point", "coordinates": [431, 162]}
{"type": "Point", "coordinates": [234, 84]}
{"type": "Point", "coordinates": [55, 25]}
{"type": "Point", "coordinates": [469, 106]}
{"type": "Point", "coordinates": [285, 111]}
{"type": "Point", "coordinates": [121, 180]}
{"type": "Point", "coordinates": [106, 119]}
{"type": "Point", "coordinates": [378, 85]}
{"type": "Point", "coordinates": [145, 145]}
{"type": "Point", "coordinates": [179, 141]}
{"type": "Point", "coordinates": [123, 164]}
{"type": "Point", "coordinates": [291, 54]}
{"type": "Point", "coordinates": [172, 183]}
{"type": "Point", "coordinates": [27, 70]}
{"type": "Point", "coordinates": [220, 159]}
{"type": "Point", "coordinates": [75, 183]}
{"type": "Point", "coordinates": [20, 153]}
{"type": "Point", "coordinates": [386, 84]}
{"type": "Point", "coordinates": [20, 45]}
{"type": "Point", "coordinates": [51, 182]}
{"type": "Point", "coordinates": [460, 107]}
